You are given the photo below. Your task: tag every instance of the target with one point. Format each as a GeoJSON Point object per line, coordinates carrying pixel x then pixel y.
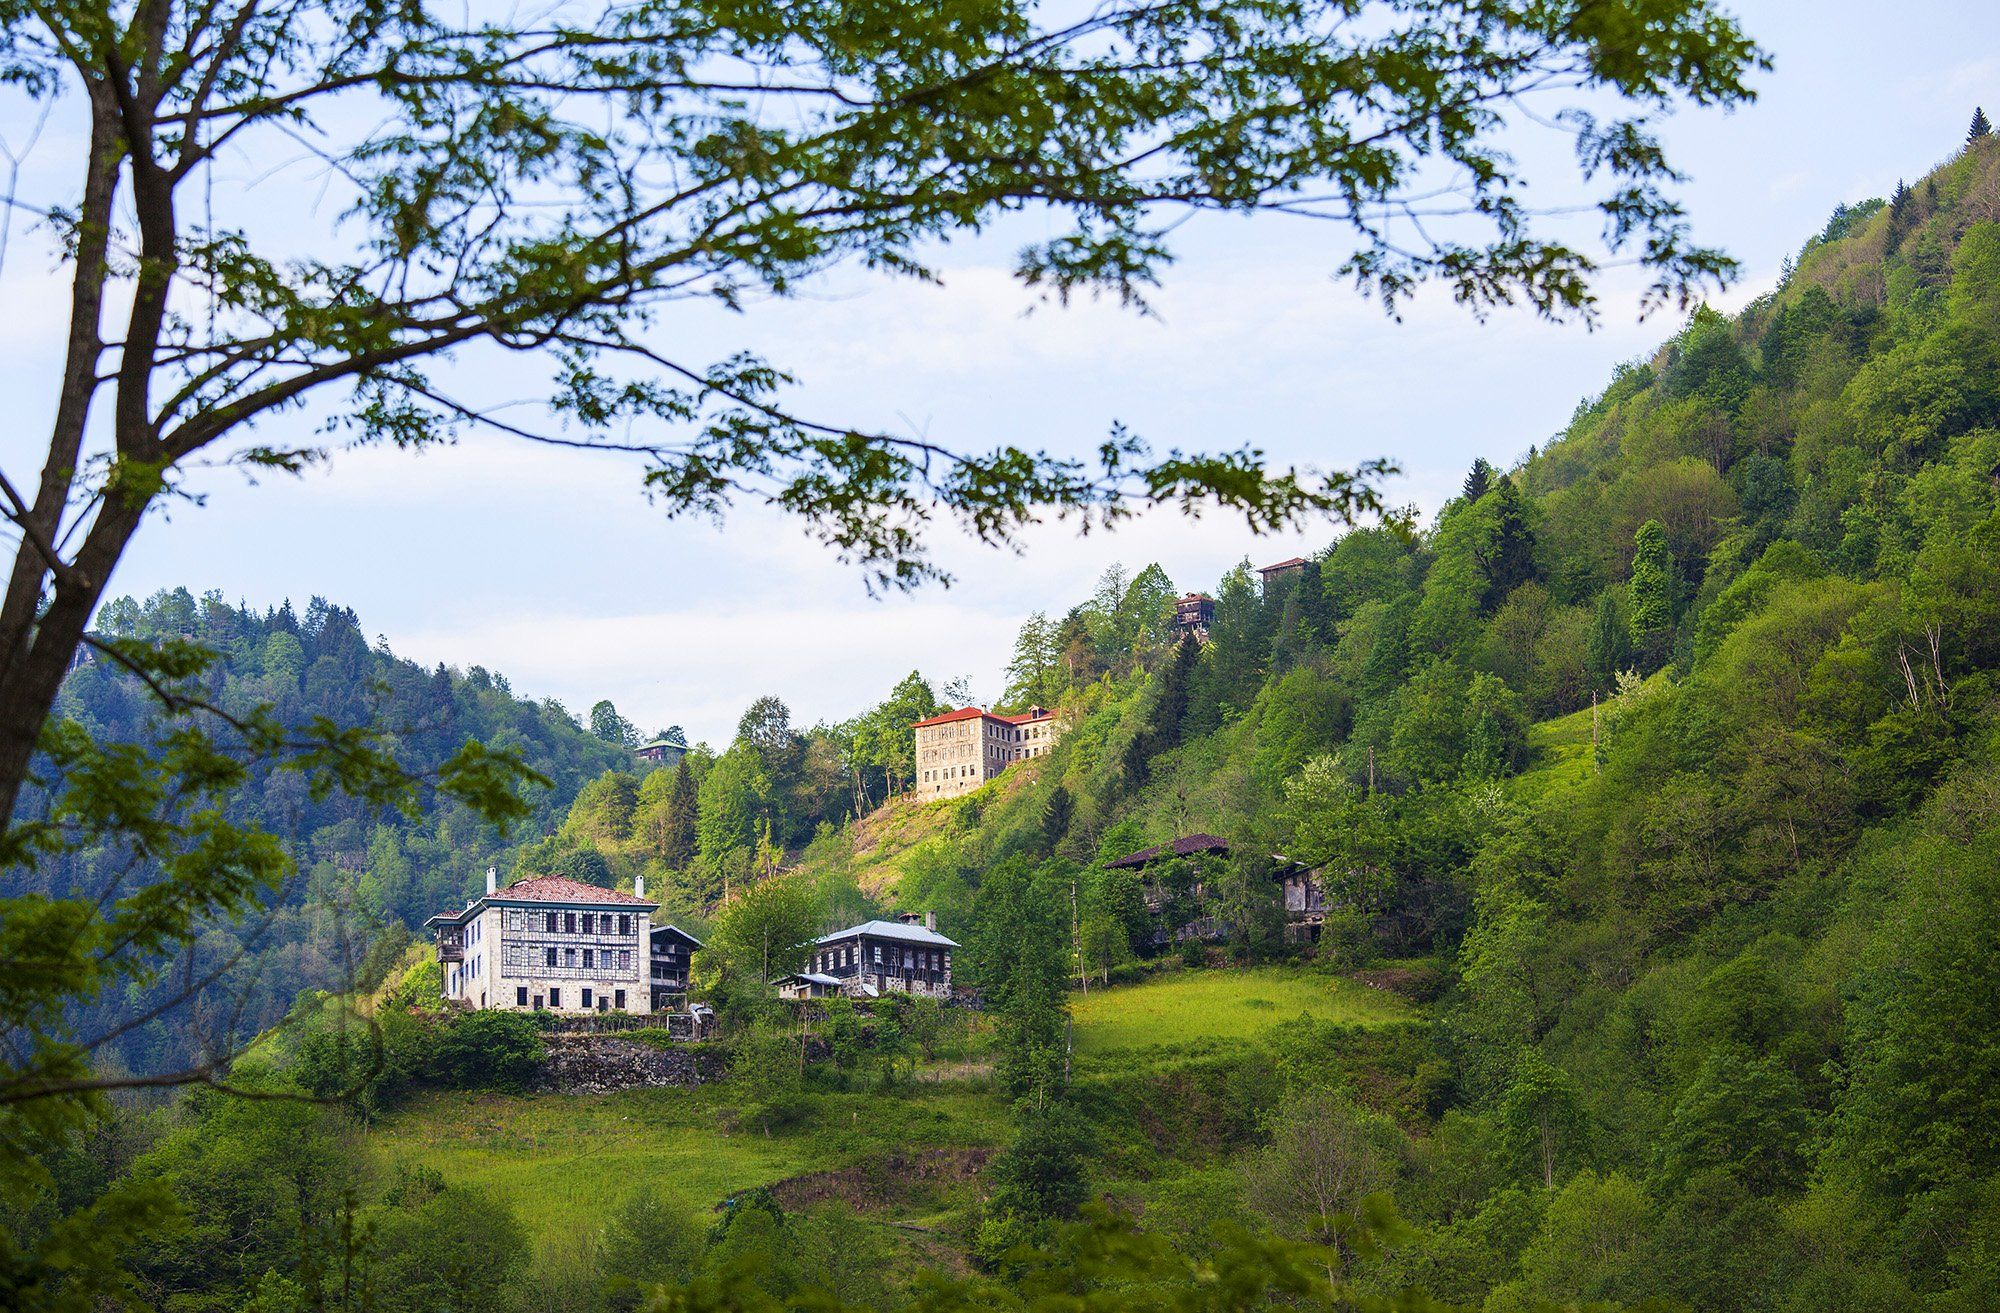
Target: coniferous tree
{"type": "Point", "coordinates": [1477, 480]}
{"type": "Point", "coordinates": [1980, 127]}
{"type": "Point", "coordinates": [677, 847]}
{"type": "Point", "coordinates": [1509, 558]}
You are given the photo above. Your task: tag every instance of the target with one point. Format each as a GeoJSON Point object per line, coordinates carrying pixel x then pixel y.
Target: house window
{"type": "Point", "coordinates": [588, 961]}
{"type": "Point", "coordinates": [555, 998]}
{"type": "Point", "coordinates": [625, 925]}
{"type": "Point", "coordinates": [878, 955]}
{"type": "Point", "coordinates": [521, 996]}
{"type": "Point", "coordinates": [549, 957]}
{"type": "Point", "coordinates": [624, 961]}
{"type": "Point", "coordinates": [618, 999]}
{"type": "Point", "coordinates": [569, 958]}
{"type": "Point", "coordinates": [569, 922]}
{"type": "Point", "coordinates": [586, 1000]}
{"type": "Point", "coordinates": [551, 927]}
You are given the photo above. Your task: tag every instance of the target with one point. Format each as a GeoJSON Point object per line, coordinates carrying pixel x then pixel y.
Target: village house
{"type": "Point", "coordinates": [661, 752]}
{"type": "Point", "coordinates": [1272, 574]}
{"type": "Point", "coordinates": [1193, 614]}
{"type": "Point", "coordinates": [1302, 889]}
{"type": "Point", "coordinates": [960, 750]}
{"type": "Point", "coordinates": [904, 956]}
{"type": "Point", "coordinates": [672, 956]}
{"type": "Point", "coordinates": [548, 943]}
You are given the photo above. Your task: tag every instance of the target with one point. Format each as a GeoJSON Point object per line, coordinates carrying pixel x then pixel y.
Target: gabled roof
{"type": "Point", "coordinates": [976, 713]}
{"type": "Point", "coordinates": [810, 977]}
{"type": "Point", "coordinates": [668, 927]}
{"type": "Point", "coordinates": [909, 934]}
{"type": "Point", "coordinates": [661, 743]}
{"type": "Point", "coordinates": [963, 713]}
{"type": "Point", "coordinates": [1185, 846]}
{"type": "Point", "coordinates": [562, 889]}
{"type": "Point", "coordinates": [1283, 565]}
{"type": "Point", "coordinates": [545, 889]}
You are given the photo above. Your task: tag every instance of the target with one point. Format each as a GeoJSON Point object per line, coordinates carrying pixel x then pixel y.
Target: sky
{"type": "Point", "coordinates": [553, 569]}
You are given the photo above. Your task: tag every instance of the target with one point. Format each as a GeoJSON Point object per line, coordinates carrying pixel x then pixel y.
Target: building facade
{"type": "Point", "coordinates": [961, 750]}
{"type": "Point", "coordinates": [904, 956]}
{"type": "Point", "coordinates": [671, 958]}
{"type": "Point", "coordinates": [1193, 614]}
{"type": "Point", "coordinates": [1290, 569]}
{"type": "Point", "coordinates": [548, 943]}
{"type": "Point", "coordinates": [661, 752]}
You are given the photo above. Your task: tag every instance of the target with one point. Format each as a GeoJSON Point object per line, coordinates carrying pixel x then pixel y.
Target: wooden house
{"type": "Point", "coordinates": [672, 953]}
{"type": "Point", "coordinates": [807, 984]}
{"type": "Point", "coordinates": [904, 956]}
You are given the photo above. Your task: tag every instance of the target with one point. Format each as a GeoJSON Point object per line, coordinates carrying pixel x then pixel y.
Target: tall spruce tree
{"type": "Point", "coordinates": [1477, 480]}
{"type": "Point", "coordinates": [1509, 557]}
{"type": "Point", "coordinates": [677, 848]}
{"type": "Point", "coordinates": [1980, 127]}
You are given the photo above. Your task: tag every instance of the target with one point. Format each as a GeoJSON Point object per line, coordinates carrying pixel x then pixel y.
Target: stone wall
{"type": "Point", "coordinates": [600, 1064]}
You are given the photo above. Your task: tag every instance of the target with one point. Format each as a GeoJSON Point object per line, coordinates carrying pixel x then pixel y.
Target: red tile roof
{"type": "Point", "coordinates": [974, 713]}
{"type": "Point", "coordinates": [1282, 565]}
{"type": "Point", "coordinates": [561, 889]}
{"type": "Point", "coordinates": [1185, 846]}
{"type": "Point", "coordinates": [963, 713]}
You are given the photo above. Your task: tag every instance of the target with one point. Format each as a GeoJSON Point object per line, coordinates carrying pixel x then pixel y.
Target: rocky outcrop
{"type": "Point", "coordinates": [600, 1064]}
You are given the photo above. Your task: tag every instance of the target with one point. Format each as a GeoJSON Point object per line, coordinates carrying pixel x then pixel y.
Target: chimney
{"type": "Point", "coordinates": [638, 886]}
{"type": "Point", "coordinates": [492, 879]}
{"type": "Point", "coordinates": [930, 922]}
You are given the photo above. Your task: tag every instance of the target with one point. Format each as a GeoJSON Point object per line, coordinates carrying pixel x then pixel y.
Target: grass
{"type": "Point", "coordinates": [564, 1163]}
{"type": "Point", "coordinates": [1559, 757]}
{"type": "Point", "coordinates": [1200, 1007]}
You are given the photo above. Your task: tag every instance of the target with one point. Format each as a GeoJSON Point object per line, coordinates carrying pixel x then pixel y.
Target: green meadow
{"type": "Point", "coordinates": [1200, 1007]}
{"type": "Point", "coordinates": [562, 1163]}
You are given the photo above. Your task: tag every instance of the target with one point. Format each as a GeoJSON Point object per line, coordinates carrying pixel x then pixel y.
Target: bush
{"type": "Point", "coordinates": [488, 1050]}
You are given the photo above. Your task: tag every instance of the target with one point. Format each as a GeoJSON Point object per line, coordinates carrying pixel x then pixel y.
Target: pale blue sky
{"type": "Point", "coordinates": [552, 569]}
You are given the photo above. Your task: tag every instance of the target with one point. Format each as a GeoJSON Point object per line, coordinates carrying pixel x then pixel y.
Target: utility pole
{"type": "Point", "coordinates": [1076, 938]}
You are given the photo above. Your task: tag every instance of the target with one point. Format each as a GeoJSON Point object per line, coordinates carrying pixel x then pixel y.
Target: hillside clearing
{"type": "Point", "coordinates": [1192, 1007]}
{"type": "Point", "coordinates": [565, 1163]}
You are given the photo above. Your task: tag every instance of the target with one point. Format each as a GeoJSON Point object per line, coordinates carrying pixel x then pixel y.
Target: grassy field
{"type": "Point", "coordinates": [1559, 757]}
{"type": "Point", "coordinates": [563, 1163]}
{"type": "Point", "coordinates": [1194, 1007]}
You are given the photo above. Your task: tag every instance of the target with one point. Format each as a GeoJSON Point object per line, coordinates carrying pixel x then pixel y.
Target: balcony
{"type": "Point", "coordinates": [450, 947]}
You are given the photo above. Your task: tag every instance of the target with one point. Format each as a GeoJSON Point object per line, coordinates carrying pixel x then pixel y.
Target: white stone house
{"type": "Point", "coordinates": [548, 943]}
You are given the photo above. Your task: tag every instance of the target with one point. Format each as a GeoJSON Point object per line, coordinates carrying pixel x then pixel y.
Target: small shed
{"type": "Point", "coordinates": [808, 984]}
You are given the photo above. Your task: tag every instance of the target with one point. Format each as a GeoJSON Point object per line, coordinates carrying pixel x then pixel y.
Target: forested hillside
{"type": "Point", "coordinates": [1672, 748]}
{"type": "Point", "coordinates": [1655, 784]}
{"type": "Point", "coordinates": [361, 871]}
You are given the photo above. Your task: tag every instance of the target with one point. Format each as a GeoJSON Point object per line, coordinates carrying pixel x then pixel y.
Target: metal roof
{"type": "Point", "coordinates": [910, 934]}
{"type": "Point", "coordinates": [1185, 846]}
{"type": "Point", "coordinates": [677, 930]}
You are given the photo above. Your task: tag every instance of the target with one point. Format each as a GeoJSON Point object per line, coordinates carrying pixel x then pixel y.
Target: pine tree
{"type": "Point", "coordinates": [1902, 216]}
{"type": "Point", "coordinates": [1652, 595]}
{"type": "Point", "coordinates": [677, 847]}
{"type": "Point", "coordinates": [1477, 480]}
{"type": "Point", "coordinates": [1509, 558]}
{"type": "Point", "coordinates": [1980, 127]}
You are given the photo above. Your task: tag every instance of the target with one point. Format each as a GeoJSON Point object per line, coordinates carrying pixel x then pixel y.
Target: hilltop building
{"type": "Point", "coordinates": [1193, 614]}
{"type": "Point", "coordinates": [904, 956]}
{"type": "Point", "coordinates": [1283, 570]}
{"type": "Point", "coordinates": [548, 943]}
{"type": "Point", "coordinates": [661, 752]}
{"type": "Point", "coordinates": [961, 750]}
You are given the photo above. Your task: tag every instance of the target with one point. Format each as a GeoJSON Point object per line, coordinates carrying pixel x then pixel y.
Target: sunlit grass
{"type": "Point", "coordinates": [1198, 1007]}
{"type": "Point", "coordinates": [564, 1163]}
